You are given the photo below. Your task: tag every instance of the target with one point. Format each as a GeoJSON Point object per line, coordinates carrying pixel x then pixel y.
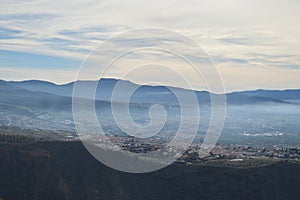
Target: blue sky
{"type": "Point", "coordinates": [14, 59]}
{"type": "Point", "coordinates": [254, 44]}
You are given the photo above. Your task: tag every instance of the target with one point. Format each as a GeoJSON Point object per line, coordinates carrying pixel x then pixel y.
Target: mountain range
{"type": "Point", "coordinates": [41, 92]}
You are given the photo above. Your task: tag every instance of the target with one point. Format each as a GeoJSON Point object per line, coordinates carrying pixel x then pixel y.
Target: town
{"type": "Point", "coordinates": [231, 152]}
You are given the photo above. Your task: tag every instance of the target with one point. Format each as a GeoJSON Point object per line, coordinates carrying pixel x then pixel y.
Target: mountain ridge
{"type": "Point", "coordinates": [145, 93]}
{"type": "Point", "coordinates": [154, 94]}
{"type": "Point", "coordinates": [113, 79]}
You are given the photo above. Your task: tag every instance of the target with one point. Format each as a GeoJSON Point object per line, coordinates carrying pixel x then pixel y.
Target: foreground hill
{"type": "Point", "coordinates": [60, 170]}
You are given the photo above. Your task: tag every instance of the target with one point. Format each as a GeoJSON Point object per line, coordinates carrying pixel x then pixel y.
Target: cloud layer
{"type": "Point", "coordinates": [253, 43]}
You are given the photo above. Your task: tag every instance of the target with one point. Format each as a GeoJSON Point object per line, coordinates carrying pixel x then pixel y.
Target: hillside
{"type": "Point", "coordinates": [60, 170]}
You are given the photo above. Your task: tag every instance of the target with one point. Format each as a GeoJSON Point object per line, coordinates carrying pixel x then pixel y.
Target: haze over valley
{"type": "Point", "coordinates": [261, 117]}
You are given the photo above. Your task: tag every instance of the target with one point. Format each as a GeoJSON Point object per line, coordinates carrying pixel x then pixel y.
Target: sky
{"type": "Point", "coordinates": [253, 44]}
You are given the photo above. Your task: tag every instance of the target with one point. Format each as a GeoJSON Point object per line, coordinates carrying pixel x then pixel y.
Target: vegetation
{"type": "Point", "coordinates": [17, 139]}
{"type": "Point", "coordinates": [65, 170]}
{"type": "Point", "coordinates": [13, 133]}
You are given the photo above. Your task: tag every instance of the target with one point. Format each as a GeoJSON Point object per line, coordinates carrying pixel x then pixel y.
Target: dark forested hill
{"type": "Point", "coordinates": [60, 170]}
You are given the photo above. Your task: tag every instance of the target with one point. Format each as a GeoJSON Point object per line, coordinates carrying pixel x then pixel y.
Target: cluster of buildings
{"type": "Point", "coordinates": [36, 121]}
{"type": "Point", "coordinates": [224, 151]}
{"type": "Point", "coordinates": [244, 151]}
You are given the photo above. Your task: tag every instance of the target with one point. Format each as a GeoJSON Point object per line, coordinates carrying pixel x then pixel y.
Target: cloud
{"type": "Point", "coordinates": [18, 74]}
{"type": "Point", "coordinates": [240, 35]}
{"type": "Point", "coordinates": [258, 78]}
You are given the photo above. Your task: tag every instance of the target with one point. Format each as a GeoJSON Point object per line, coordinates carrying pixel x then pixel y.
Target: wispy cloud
{"type": "Point", "coordinates": [243, 35]}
